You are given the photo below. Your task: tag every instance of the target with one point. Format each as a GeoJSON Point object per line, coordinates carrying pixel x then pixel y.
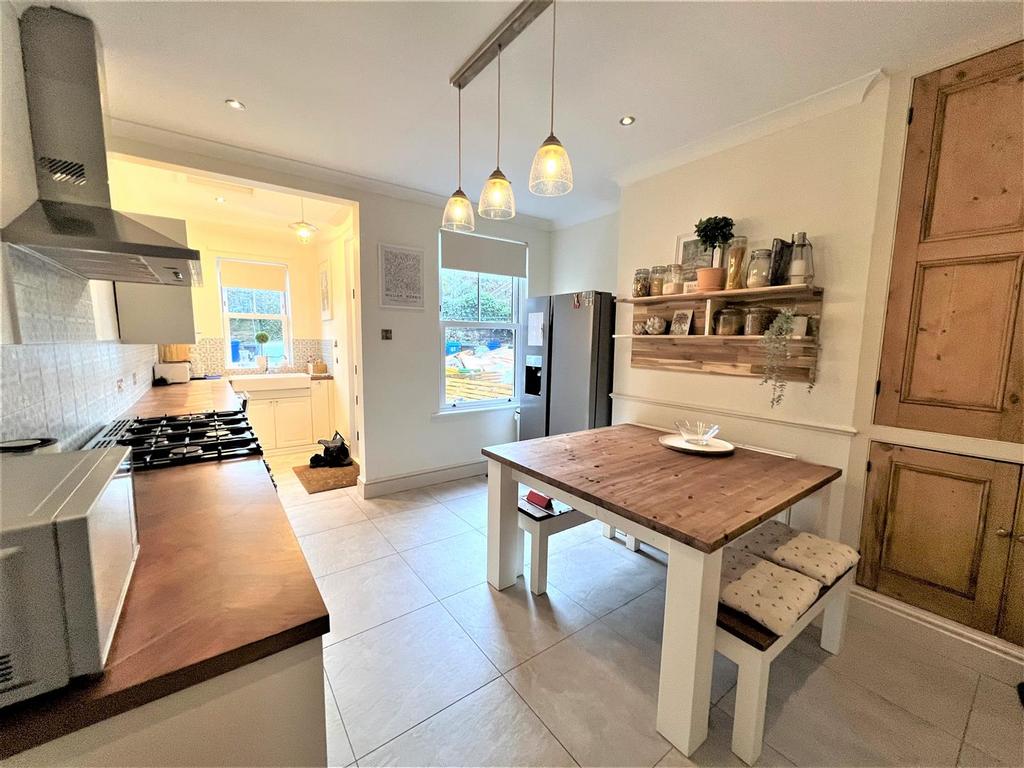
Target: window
{"type": "Point", "coordinates": [254, 297]}
{"type": "Point", "coordinates": [479, 316]}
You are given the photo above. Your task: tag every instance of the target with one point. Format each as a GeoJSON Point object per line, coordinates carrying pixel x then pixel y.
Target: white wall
{"type": "Point", "coordinates": [17, 170]}
{"type": "Point", "coordinates": [819, 176]}
{"type": "Point", "coordinates": [584, 257]}
{"type": "Point", "coordinates": [399, 382]}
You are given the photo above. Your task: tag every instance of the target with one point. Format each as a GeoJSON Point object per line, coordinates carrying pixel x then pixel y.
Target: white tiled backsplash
{"type": "Point", "coordinates": [60, 382]}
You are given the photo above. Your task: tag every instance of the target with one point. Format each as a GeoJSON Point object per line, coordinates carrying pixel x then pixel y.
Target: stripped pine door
{"type": "Point", "coordinates": [936, 532]}
{"type": "Point", "coordinates": [954, 329]}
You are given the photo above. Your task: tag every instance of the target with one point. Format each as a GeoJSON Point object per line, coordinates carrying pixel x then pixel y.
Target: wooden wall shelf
{"type": "Point", "coordinates": [704, 352]}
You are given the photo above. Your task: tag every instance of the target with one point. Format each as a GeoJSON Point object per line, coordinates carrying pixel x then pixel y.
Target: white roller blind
{"type": "Point", "coordinates": [253, 274]}
{"type": "Point", "coordinates": [474, 253]}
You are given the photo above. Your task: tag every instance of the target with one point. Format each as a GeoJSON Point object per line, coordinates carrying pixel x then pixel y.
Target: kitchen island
{"type": "Point", "coordinates": [217, 656]}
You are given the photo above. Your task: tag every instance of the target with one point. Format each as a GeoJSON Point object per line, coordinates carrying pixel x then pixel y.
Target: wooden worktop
{"type": "Point", "coordinates": [220, 582]}
{"type": "Point", "coordinates": [701, 501]}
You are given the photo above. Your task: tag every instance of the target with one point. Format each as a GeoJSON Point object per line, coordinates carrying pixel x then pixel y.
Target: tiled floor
{"type": "Point", "coordinates": [426, 665]}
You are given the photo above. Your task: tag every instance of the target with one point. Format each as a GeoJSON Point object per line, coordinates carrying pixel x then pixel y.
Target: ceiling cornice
{"type": "Point", "coordinates": [844, 95]}
{"type": "Point", "coordinates": [160, 144]}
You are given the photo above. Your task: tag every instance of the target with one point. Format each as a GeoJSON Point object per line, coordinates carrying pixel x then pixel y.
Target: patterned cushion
{"type": "Point", "coordinates": [772, 596]}
{"type": "Point", "coordinates": [821, 559]}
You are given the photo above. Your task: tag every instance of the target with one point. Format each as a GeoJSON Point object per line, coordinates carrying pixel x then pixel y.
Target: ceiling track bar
{"type": "Point", "coordinates": [523, 15]}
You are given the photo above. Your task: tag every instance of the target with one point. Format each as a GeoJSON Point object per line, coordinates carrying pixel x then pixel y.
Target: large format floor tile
{"type": "Point", "coordinates": [415, 527]}
{"type": "Point", "coordinates": [491, 727]}
{"type": "Point", "coordinates": [598, 695]}
{"type": "Point", "coordinates": [818, 717]}
{"type": "Point", "coordinates": [450, 565]}
{"type": "Point", "coordinates": [641, 621]}
{"type": "Point", "coordinates": [599, 577]}
{"type": "Point", "coordinates": [322, 515]}
{"type": "Point", "coordinates": [455, 489]}
{"type": "Point", "coordinates": [403, 501]}
{"type": "Point", "coordinates": [396, 675]}
{"type": "Point", "coordinates": [996, 726]}
{"type": "Point", "coordinates": [472, 509]}
{"type": "Point", "coordinates": [717, 750]}
{"type": "Point", "coordinates": [370, 594]}
{"type": "Point", "coordinates": [339, 751]}
{"type": "Point", "coordinates": [930, 686]}
{"type": "Point", "coordinates": [514, 625]}
{"type": "Point", "coordinates": [341, 548]}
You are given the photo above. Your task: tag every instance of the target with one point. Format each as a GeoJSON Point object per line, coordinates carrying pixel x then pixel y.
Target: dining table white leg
{"type": "Point", "coordinates": [688, 645]}
{"type": "Point", "coordinates": [504, 539]}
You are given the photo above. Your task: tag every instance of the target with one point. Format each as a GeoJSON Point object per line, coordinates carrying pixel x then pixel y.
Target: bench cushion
{"type": "Point", "coordinates": [773, 596]}
{"type": "Point", "coordinates": [822, 559]}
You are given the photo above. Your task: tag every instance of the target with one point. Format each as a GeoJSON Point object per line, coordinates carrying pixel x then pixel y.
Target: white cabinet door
{"type": "Point", "coordinates": [323, 420]}
{"type": "Point", "coordinates": [261, 417]}
{"type": "Point", "coordinates": [293, 421]}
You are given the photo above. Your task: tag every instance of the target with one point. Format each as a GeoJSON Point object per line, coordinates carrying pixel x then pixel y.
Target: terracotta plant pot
{"type": "Point", "coordinates": [710, 279]}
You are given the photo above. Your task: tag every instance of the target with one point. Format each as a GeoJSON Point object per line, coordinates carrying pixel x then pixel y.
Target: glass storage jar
{"type": "Point", "coordinates": [758, 320]}
{"type": "Point", "coordinates": [641, 283]}
{"type": "Point", "coordinates": [729, 321]}
{"type": "Point", "coordinates": [759, 268]}
{"type": "Point", "coordinates": [657, 280]}
{"type": "Point", "coordinates": [734, 263]}
{"type": "Point", "coordinates": [674, 280]}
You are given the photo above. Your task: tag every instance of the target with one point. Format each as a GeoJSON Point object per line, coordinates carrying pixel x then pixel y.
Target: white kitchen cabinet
{"type": "Point", "coordinates": [293, 422]}
{"type": "Point", "coordinates": [322, 396]}
{"type": "Point", "coordinates": [261, 417]}
{"type": "Point", "coordinates": [154, 314]}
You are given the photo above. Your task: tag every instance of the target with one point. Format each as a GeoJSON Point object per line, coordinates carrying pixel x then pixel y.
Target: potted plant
{"type": "Point", "coordinates": [262, 337]}
{"type": "Point", "coordinates": [713, 233]}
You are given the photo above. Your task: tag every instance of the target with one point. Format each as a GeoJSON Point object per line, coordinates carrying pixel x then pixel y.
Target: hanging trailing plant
{"type": "Point", "coordinates": [776, 353]}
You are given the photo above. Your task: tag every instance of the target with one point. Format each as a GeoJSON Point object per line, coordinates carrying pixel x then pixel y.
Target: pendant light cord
{"type": "Point", "coordinates": [497, 160]}
{"type": "Point", "coordinates": [460, 137]}
{"type": "Point", "coordinates": [554, 17]}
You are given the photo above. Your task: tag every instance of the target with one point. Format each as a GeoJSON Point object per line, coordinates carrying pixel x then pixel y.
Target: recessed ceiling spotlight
{"type": "Point", "coordinates": [235, 104]}
{"type": "Point", "coordinates": [627, 120]}
{"type": "Point", "coordinates": [219, 199]}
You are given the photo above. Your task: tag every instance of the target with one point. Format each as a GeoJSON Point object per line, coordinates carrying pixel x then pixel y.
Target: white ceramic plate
{"type": "Point", "coordinates": [715, 447]}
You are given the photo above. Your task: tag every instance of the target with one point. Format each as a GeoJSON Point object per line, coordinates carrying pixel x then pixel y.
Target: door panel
{"type": "Point", "coordinates": [261, 417]}
{"type": "Point", "coordinates": [293, 422]}
{"type": "Point", "coordinates": [1011, 623]}
{"type": "Point", "coordinates": [954, 330]}
{"type": "Point", "coordinates": [931, 531]}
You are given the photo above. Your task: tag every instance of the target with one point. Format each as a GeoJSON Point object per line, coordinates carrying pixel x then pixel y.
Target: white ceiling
{"type": "Point", "coordinates": [363, 87]}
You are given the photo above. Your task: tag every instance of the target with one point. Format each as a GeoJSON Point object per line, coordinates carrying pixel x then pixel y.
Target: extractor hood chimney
{"type": "Point", "coordinates": [72, 223]}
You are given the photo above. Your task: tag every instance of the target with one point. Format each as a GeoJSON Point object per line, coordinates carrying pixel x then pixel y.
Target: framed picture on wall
{"type": "Point", "coordinates": [400, 275]}
{"type": "Point", "coordinates": [325, 291]}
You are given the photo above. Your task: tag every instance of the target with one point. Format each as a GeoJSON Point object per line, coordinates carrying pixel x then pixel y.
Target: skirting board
{"type": "Point", "coordinates": [412, 480]}
{"type": "Point", "coordinates": [981, 652]}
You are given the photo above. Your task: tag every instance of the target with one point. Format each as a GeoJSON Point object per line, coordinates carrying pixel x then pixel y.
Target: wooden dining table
{"type": "Point", "coordinates": [688, 506]}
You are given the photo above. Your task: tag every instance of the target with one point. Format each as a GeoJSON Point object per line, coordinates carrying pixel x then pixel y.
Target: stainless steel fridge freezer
{"type": "Point", "coordinates": [567, 363]}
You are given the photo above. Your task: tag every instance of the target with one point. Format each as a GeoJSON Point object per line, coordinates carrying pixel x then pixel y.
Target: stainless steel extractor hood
{"type": "Point", "coordinates": [72, 223]}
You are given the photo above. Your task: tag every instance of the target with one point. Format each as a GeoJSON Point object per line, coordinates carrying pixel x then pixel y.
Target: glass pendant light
{"type": "Point", "coordinates": [496, 199]}
{"type": "Point", "coordinates": [303, 229]}
{"type": "Point", "coordinates": [458, 211]}
{"type": "Point", "coordinates": [551, 172]}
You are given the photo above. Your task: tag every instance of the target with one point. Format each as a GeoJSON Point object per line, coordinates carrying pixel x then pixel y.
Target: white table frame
{"type": "Point", "coordinates": [691, 594]}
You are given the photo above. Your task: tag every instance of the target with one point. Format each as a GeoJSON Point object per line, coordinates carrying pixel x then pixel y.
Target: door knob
{"type": "Point", "coordinates": [1002, 533]}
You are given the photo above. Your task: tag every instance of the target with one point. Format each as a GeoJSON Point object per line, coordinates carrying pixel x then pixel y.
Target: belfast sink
{"type": "Point", "coordinates": [255, 382]}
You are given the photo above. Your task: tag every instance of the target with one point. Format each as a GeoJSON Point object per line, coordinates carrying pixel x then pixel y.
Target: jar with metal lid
{"type": "Point", "coordinates": [641, 283]}
{"type": "Point", "coordinates": [658, 280]}
{"type": "Point", "coordinates": [674, 280]}
{"type": "Point", "coordinates": [759, 268]}
{"type": "Point", "coordinates": [729, 321]}
{"type": "Point", "coordinates": [758, 320]}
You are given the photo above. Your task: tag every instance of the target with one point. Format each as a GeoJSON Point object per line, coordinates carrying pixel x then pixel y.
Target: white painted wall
{"type": "Point", "coordinates": [17, 170]}
{"type": "Point", "coordinates": [584, 257]}
{"type": "Point", "coordinates": [819, 176]}
{"type": "Point", "coordinates": [399, 381]}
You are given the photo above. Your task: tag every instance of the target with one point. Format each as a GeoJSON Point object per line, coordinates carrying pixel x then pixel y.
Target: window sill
{"type": "Point", "coordinates": [476, 409]}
